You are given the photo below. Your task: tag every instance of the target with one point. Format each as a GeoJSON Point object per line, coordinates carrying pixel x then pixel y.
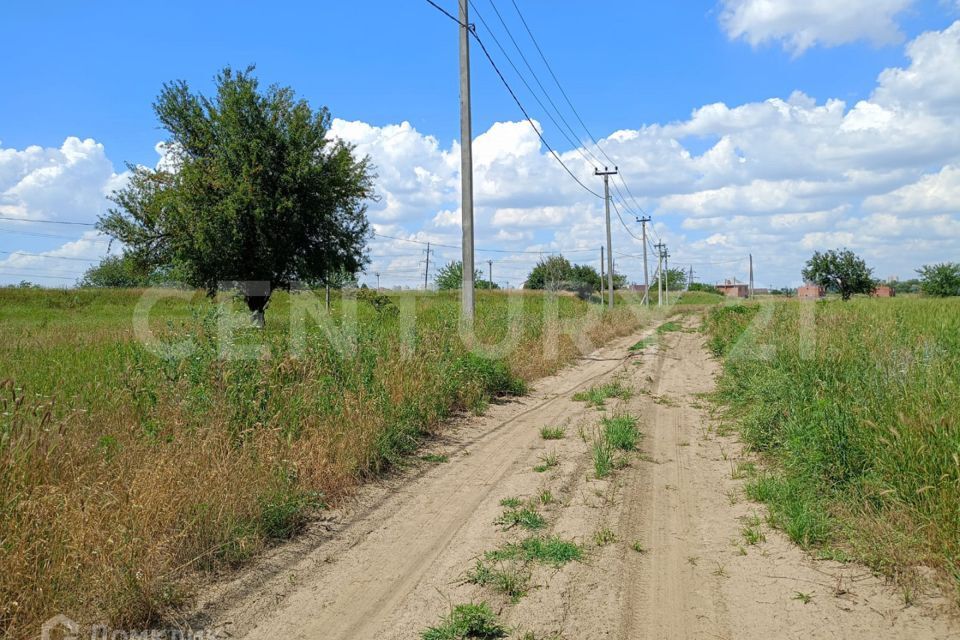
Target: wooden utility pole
{"type": "Point", "coordinates": [606, 201]}
{"type": "Point", "coordinates": [466, 168]}
{"type": "Point", "coordinates": [646, 278]}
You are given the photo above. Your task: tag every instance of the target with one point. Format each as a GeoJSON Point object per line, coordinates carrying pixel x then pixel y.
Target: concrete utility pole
{"type": "Point", "coordinates": [378, 280]}
{"type": "Point", "coordinates": [666, 266]}
{"type": "Point", "coordinates": [606, 201]}
{"type": "Point", "coordinates": [646, 278]}
{"type": "Point", "coordinates": [490, 272]}
{"type": "Point", "coordinates": [426, 271]}
{"type": "Point", "coordinates": [466, 167]}
{"type": "Point", "coordinates": [751, 275]}
{"type": "Point", "coordinates": [602, 271]}
{"type": "Point", "coordinates": [690, 279]}
{"type": "Point", "coordinates": [659, 247]}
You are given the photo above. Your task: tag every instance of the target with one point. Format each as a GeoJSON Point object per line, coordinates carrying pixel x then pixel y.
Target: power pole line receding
{"type": "Point", "coordinates": [606, 201]}
{"type": "Point", "coordinates": [466, 167]}
{"type": "Point", "coordinates": [646, 278]}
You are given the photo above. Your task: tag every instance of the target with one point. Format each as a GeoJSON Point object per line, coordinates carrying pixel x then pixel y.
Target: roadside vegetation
{"type": "Point", "coordinates": [854, 405]}
{"type": "Point", "coordinates": [124, 475]}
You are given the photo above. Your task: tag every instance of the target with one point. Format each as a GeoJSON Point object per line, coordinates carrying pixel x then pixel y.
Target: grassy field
{"type": "Point", "coordinates": [124, 474]}
{"type": "Point", "coordinates": [856, 407]}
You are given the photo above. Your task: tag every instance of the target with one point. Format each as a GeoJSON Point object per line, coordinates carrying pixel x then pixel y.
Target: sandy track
{"type": "Point", "coordinates": [394, 562]}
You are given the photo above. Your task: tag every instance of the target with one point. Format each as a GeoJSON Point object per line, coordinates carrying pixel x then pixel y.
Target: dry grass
{"type": "Point", "coordinates": [124, 477]}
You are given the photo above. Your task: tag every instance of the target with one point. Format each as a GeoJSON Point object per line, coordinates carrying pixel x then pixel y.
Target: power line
{"type": "Point", "coordinates": [513, 95]}
{"type": "Point", "coordinates": [84, 224]}
{"type": "Point", "coordinates": [573, 141]}
{"type": "Point", "coordinates": [40, 255]}
{"type": "Point", "coordinates": [455, 246]}
{"type": "Point", "coordinates": [570, 104]}
{"type": "Point", "coordinates": [34, 275]}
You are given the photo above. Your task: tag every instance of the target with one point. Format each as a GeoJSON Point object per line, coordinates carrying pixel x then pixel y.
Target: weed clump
{"type": "Point", "coordinates": [467, 621]}
{"type": "Point", "coordinates": [621, 431]}
{"type": "Point", "coordinates": [597, 395]}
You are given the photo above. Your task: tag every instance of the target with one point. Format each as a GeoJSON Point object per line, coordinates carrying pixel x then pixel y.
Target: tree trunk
{"type": "Point", "coordinates": [257, 306]}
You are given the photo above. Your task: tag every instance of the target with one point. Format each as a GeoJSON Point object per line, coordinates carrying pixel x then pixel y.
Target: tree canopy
{"type": "Point", "coordinates": [252, 189]}
{"type": "Point", "coordinates": [557, 273]}
{"type": "Point", "coordinates": [839, 270]}
{"type": "Point", "coordinates": [940, 280]}
{"type": "Point", "coordinates": [450, 277]}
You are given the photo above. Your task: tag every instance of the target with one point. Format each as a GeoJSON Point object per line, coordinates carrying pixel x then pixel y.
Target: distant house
{"type": "Point", "coordinates": [811, 292]}
{"type": "Point", "coordinates": [734, 289]}
{"type": "Point", "coordinates": [884, 291]}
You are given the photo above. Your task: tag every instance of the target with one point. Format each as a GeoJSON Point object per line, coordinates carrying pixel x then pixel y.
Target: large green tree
{"type": "Point", "coordinates": [450, 276]}
{"type": "Point", "coordinates": [940, 280]}
{"type": "Point", "coordinates": [839, 270]}
{"type": "Point", "coordinates": [557, 273]}
{"type": "Point", "coordinates": [253, 189]}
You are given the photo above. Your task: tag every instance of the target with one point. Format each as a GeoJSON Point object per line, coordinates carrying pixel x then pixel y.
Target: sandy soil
{"type": "Point", "coordinates": [393, 562]}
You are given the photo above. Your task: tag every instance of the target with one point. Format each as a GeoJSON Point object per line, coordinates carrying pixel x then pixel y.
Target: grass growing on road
{"type": "Point", "coordinates": [552, 550]}
{"type": "Point", "coordinates": [597, 395]}
{"type": "Point", "coordinates": [511, 580]}
{"type": "Point", "coordinates": [123, 470]}
{"type": "Point", "coordinates": [467, 621]}
{"type": "Point", "coordinates": [522, 516]}
{"type": "Point", "coordinates": [855, 405]}
{"type": "Point", "coordinates": [547, 461]}
{"type": "Point", "coordinates": [552, 433]}
{"type": "Point", "coordinates": [621, 431]}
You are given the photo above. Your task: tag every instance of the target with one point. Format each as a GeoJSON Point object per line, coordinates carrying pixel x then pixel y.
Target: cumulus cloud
{"type": "Point", "coordinates": [776, 178]}
{"type": "Point", "coordinates": [801, 25]}
{"type": "Point", "coordinates": [64, 183]}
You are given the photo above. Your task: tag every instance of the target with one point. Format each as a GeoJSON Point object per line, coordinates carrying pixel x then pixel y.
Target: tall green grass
{"type": "Point", "coordinates": [123, 472]}
{"type": "Point", "coordinates": [856, 406]}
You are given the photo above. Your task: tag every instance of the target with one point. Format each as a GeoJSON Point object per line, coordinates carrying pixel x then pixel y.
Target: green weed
{"type": "Point", "coordinates": [552, 551]}
{"type": "Point", "coordinates": [621, 431]}
{"type": "Point", "coordinates": [467, 621]}
{"type": "Point", "coordinates": [526, 517]}
{"type": "Point", "coordinates": [597, 395]}
{"type": "Point", "coordinates": [552, 433]}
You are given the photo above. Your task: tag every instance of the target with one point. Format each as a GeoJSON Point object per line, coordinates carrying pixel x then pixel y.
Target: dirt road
{"type": "Point", "coordinates": [679, 566]}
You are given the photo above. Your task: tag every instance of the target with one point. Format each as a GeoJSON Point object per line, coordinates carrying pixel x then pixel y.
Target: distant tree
{"type": "Point", "coordinates": [118, 272]}
{"type": "Point", "coordinates": [700, 286]}
{"type": "Point", "coordinates": [676, 279]}
{"type": "Point", "coordinates": [551, 273]}
{"type": "Point", "coordinates": [841, 271]}
{"type": "Point", "coordinates": [26, 284]}
{"type": "Point", "coordinates": [450, 277]}
{"type": "Point", "coordinates": [910, 285]}
{"type": "Point", "coordinates": [255, 189]}
{"type": "Point", "coordinates": [940, 280]}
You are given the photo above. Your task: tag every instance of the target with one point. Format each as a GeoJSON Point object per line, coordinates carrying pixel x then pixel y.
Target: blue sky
{"type": "Point", "coordinates": [91, 70]}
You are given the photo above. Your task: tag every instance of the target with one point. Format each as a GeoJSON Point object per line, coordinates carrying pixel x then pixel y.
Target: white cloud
{"type": "Point", "coordinates": [775, 178]}
{"type": "Point", "coordinates": [64, 183]}
{"type": "Point", "coordinates": [933, 193]}
{"type": "Point", "coordinates": [799, 25]}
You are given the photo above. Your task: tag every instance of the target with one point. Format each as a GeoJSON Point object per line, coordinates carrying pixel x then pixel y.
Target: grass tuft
{"type": "Point", "coordinates": [526, 517]}
{"type": "Point", "coordinates": [621, 431]}
{"type": "Point", "coordinates": [552, 550]}
{"type": "Point", "coordinates": [552, 433]}
{"type": "Point", "coordinates": [467, 621]}
{"type": "Point", "coordinates": [597, 395]}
